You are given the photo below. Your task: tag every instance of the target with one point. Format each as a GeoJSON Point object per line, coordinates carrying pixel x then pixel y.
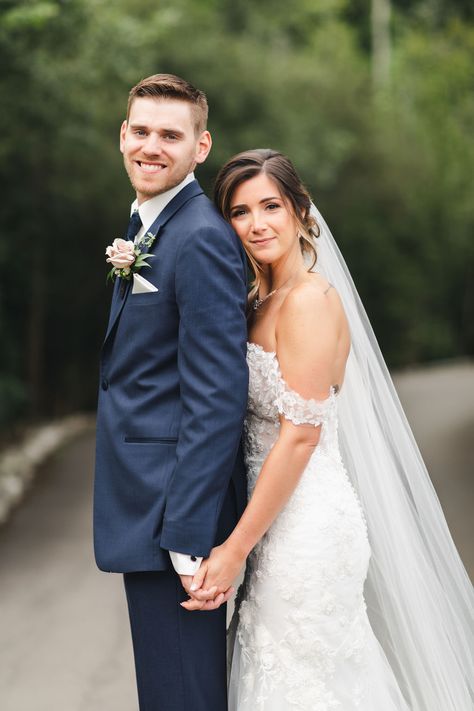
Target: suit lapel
{"type": "Point", "coordinates": [187, 193]}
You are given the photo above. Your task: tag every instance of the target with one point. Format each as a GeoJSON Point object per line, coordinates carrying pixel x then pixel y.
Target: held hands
{"type": "Point", "coordinates": [211, 586]}
{"type": "Point", "coordinates": [206, 599]}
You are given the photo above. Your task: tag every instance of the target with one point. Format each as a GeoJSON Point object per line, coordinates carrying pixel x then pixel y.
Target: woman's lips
{"type": "Point", "coordinates": [262, 242]}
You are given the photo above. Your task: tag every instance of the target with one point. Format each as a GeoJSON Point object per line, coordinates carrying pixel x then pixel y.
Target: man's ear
{"type": "Point", "coordinates": [203, 147]}
{"type": "Point", "coordinates": [123, 131]}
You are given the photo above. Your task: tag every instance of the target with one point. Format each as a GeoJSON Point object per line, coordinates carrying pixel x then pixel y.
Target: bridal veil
{"type": "Point", "coordinates": [419, 597]}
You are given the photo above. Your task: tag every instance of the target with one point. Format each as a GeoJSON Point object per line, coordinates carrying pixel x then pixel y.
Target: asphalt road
{"type": "Point", "coordinates": [64, 637]}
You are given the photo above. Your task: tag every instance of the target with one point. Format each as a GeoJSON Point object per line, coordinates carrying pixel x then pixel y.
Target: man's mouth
{"type": "Point", "coordinates": [150, 167]}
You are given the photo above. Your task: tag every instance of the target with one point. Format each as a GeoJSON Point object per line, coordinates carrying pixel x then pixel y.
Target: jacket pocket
{"type": "Point", "coordinates": [150, 440]}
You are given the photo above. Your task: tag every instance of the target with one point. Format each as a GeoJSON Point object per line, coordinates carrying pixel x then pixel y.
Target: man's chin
{"type": "Point", "coordinates": [147, 191]}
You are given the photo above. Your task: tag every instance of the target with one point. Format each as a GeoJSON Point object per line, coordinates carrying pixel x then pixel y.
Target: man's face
{"type": "Point", "coordinates": [160, 146]}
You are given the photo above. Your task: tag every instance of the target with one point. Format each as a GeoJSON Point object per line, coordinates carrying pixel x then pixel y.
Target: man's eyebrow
{"type": "Point", "coordinates": [143, 126]}
{"type": "Point", "coordinates": [172, 130]}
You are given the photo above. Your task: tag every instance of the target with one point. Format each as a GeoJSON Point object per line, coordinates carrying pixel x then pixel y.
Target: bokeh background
{"type": "Point", "coordinates": [374, 102]}
{"type": "Point", "coordinates": [378, 116]}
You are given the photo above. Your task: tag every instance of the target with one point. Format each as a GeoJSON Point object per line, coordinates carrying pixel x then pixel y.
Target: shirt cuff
{"type": "Point", "coordinates": [185, 564]}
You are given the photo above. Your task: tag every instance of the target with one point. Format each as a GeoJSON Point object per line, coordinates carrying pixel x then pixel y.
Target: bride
{"type": "Point", "coordinates": [354, 596]}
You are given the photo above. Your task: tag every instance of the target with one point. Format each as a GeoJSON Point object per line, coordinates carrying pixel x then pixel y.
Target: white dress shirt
{"type": "Point", "coordinates": [149, 211]}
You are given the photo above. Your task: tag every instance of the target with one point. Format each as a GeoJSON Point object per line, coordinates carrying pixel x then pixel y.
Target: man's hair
{"type": "Point", "coordinates": [169, 86]}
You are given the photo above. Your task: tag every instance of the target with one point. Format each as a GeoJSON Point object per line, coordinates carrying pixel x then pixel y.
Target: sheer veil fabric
{"type": "Point", "coordinates": [420, 600]}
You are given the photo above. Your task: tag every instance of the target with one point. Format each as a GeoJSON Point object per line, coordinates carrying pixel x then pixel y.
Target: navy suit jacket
{"type": "Point", "coordinates": [172, 397]}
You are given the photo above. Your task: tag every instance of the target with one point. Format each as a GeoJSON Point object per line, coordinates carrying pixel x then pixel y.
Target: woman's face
{"type": "Point", "coordinates": [263, 221]}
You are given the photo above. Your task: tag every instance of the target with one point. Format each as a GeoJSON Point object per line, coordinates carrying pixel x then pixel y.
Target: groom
{"type": "Point", "coordinates": [169, 481]}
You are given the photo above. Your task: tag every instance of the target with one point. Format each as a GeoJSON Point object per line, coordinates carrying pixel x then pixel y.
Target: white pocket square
{"type": "Point", "coordinates": [141, 285]}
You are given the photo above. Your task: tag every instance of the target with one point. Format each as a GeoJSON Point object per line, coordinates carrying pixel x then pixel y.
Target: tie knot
{"type": "Point", "coordinates": [134, 225]}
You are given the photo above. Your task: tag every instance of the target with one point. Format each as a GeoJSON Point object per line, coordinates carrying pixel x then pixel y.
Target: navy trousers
{"type": "Point", "coordinates": [180, 656]}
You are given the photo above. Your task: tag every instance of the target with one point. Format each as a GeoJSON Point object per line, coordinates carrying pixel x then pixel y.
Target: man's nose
{"type": "Point", "coordinates": [152, 145]}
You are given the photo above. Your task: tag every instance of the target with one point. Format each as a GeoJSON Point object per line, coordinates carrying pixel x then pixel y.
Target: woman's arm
{"type": "Point", "coordinates": [307, 337]}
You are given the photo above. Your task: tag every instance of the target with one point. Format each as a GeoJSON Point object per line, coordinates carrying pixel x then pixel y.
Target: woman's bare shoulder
{"type": "Point", "coordinates": [308, 300]}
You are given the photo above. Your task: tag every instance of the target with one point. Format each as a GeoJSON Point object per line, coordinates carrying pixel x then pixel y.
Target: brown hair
{"type": "Point", "coordinates": [280, 169]}
{"type": "Point", "coordinates": [169, 86]}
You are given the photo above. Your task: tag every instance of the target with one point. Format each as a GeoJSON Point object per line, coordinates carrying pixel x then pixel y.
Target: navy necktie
{"type": "Point", "coordinates": [134, 225]}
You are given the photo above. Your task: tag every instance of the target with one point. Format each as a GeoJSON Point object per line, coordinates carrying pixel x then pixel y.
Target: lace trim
{"type": "Point", "coordinates": [291, 404]}
{"type": "Point", "coordinates": [299, 411]}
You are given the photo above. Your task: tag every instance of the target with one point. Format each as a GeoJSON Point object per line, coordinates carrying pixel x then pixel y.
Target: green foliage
{"type": "Point", "coordinates": [391, 171]}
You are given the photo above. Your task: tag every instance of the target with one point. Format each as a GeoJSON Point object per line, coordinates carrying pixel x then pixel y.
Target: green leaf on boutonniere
{"type": "Point", "coordinates": [141, 261]}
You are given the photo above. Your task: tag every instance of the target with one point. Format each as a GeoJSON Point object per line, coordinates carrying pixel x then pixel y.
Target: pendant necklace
{"type": "Point", "coordinates": [258, 302]}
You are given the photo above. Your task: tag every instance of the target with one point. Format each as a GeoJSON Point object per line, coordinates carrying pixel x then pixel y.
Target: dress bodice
{"type": "Point", "coordinates": [270, 397]}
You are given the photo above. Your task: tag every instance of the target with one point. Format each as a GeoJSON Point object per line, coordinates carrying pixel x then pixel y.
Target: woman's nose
{"type": "Point", "coordinates": [257, 223]}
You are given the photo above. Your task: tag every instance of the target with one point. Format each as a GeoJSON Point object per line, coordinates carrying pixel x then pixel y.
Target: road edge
{"type": "Point", "coordinates": [19, 462]}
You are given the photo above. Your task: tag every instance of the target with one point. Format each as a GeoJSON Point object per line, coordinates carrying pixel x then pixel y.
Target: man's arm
{"type": "Point", "coordinates": [211, 295]}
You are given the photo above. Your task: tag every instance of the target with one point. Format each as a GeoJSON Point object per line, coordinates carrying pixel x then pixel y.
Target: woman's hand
{"type": "Point", "coordinates": [216, 572]}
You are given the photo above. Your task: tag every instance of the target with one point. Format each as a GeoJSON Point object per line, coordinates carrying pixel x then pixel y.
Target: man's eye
{"type": "Point", "coordinates": [172, 137]}
{"type": "Point", "coordinates": [140, 132]}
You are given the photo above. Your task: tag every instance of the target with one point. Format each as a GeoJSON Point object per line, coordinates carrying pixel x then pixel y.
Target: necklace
{"type": "Point", "coordinates": [258, 302]}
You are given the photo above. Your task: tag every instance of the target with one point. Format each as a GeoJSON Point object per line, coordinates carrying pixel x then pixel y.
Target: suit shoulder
{"type": "Point", "coordinates": [203, 222]}
{"type": "Point", "coordinates": [205, 214]}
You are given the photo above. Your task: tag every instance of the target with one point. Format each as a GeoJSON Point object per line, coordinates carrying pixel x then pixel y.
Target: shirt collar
{"type": "Point", "coordinates": [150, 209]}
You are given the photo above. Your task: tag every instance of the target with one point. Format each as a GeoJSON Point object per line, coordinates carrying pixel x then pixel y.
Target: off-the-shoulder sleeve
{"type": "Point", "coordinates": [300, 411]}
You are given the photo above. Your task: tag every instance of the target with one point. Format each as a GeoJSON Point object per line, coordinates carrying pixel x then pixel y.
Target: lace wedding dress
{"type": "Point", "coordinates": [300, 638]}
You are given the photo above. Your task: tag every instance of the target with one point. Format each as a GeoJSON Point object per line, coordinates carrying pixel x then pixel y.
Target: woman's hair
{"type": "Point", "coordinates": [280, 169]}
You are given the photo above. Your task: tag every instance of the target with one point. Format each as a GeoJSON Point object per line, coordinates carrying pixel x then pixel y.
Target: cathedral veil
{"type": "Point", "coordinates": [420, 600]}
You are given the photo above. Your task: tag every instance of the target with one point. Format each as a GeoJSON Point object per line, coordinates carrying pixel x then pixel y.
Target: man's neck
{"type": "Point", "coordinates": [151, 208]}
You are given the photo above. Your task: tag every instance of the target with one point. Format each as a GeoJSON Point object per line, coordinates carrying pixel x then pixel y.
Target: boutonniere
{"type": "Point", "coordinates": [128, 257]}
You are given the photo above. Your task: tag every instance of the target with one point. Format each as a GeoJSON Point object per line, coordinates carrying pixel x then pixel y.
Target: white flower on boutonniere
{"type": "Point", "coordinates": [128, 257]}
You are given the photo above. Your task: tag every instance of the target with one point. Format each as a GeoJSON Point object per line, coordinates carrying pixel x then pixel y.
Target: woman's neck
{"type": "Point", "coordinates": [285, 271]}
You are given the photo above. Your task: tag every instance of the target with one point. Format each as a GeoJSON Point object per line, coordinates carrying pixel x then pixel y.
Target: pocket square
{"type": "Point", "coordinates": [141, 285]}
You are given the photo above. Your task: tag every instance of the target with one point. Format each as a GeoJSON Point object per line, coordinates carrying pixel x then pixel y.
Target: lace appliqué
{"type": "Point", "coordinates": [300, 411]}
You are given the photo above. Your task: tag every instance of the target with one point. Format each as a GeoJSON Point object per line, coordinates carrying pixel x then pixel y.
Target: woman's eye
{"type": "Point", "coordinates": [237, 213]}
{"type": "Point", "coordinates": [272, 206]}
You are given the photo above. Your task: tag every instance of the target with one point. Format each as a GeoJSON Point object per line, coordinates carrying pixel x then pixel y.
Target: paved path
{"type": "Point", "coordinates": [64, 638]}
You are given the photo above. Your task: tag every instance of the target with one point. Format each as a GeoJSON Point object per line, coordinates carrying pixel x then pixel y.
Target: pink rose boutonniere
{"type": "Point", "coordinates": [128, 257]}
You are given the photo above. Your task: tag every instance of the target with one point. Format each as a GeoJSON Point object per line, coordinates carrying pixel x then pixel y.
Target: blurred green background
{"type": "Point", "coordinates": [376, 111]}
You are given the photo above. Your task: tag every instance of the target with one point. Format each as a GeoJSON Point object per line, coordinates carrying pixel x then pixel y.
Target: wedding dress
{"type": "Point", "coordinates": [356, 597]}
{"type": "Point", "coordinates": [303, 639]}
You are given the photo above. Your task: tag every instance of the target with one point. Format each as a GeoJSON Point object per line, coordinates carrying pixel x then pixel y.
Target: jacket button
{"type": "Point", "coordinates": [193, 558]}
{"type": "Point", "coordinates": [105, 384]}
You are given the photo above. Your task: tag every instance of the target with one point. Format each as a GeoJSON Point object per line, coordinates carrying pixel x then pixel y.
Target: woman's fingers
{"type": "Point", "coordinates": [204, 595]}
{"type": "Point", "coordinates": [192, 604]}
{"type": "Point", "coordinates": [198, 578]}
{"type": "Point", "coordinates": [207, 605]}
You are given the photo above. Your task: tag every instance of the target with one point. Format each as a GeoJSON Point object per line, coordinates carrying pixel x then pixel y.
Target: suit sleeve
{"type": "Point", "coordinates": [211, 296]}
